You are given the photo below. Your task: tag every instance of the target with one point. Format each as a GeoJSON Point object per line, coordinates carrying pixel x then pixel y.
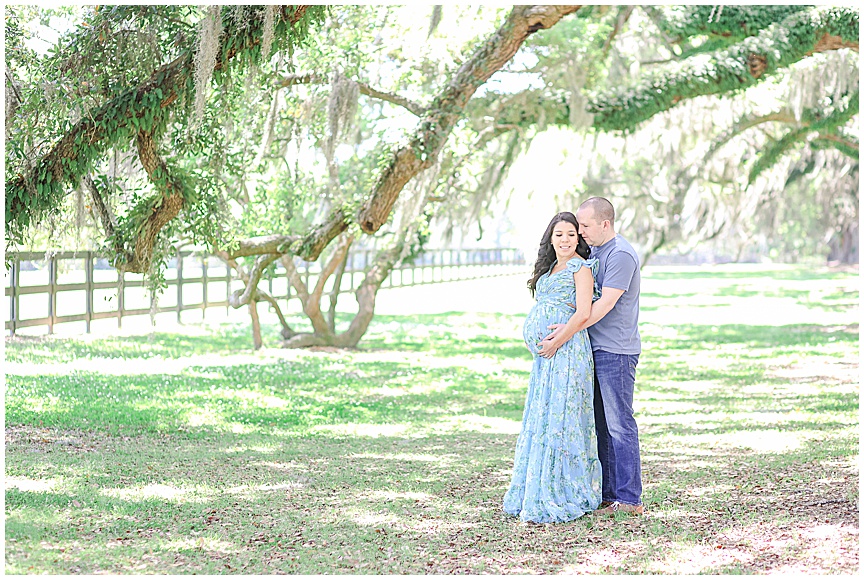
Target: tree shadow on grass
{"type": "Point", "coordinates": [396, 505]}
{"type": "Point", "coordinates": [274, 496]}
{"type": "Point", "coordinates": [286, 394]}
{"type": "Point", "coordinates": [168, 345]}
{"type": "Point", "coordinates": [756, 336]}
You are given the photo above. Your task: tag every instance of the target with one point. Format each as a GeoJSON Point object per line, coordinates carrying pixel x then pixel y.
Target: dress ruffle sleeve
{"type": "Point", "coordinates": [575, 264]}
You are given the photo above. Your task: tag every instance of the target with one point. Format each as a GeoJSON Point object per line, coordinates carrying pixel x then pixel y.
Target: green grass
{"type": "Point", "coordinates": [189, 453]}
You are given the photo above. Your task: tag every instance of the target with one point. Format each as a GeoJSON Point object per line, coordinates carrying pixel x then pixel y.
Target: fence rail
{"type": "Point", "coordinates": [193, 272]}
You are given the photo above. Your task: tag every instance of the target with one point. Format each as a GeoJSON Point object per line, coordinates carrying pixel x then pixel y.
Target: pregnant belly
{"type": "Point", "coordinates": [536, 326]}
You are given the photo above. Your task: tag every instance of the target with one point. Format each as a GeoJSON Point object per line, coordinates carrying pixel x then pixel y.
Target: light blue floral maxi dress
{"type": "Point", "coordinates": [556, 473]}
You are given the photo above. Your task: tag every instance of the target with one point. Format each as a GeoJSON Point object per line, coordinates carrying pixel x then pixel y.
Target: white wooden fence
{"type": "Point", "coordinates": [90, 289]}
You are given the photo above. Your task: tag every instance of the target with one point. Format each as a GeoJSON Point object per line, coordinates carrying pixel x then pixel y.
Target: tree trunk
{"type": "Point", "coordinates": [366, 295]}
{"type": "Point", "coordinates": [256, 325]}
{"type": "Point", "coordinates": [843, 247]}
{"type": "Point", "coordinates": [334, 294]}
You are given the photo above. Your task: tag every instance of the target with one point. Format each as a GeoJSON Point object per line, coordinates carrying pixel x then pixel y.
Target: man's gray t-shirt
{"type": "Point", "coordinates": [618, 331]}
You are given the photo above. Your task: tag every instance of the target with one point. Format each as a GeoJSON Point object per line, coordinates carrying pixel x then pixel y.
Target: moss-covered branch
{"type": "Point", "coordinates": [732, 23]}
{"type": "Point", "coordinates": [40, 191]}
{"type": "Point", "coordinates": [735, 68]}
{"type": "Point", "coordinates": [819, 124]}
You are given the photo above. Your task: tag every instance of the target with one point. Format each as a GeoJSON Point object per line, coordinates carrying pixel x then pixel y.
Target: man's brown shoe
{"type": "Point", "coordinates": [616, 507]}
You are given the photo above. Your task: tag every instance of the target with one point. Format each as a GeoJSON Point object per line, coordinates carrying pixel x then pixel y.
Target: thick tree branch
{"type": "Point", "coordinates": [447, 107]}
{"type": "Point", "coordinates": [334, 292]}
{"type": "Point", "coordinates": [238, 298]}
{"type": "Point", "coordinates": [433, 131]}
{"type": "Point", "coordinates": [166, 207]}
{"type": "Point", "coordinates": [731, 22]}
{"type": "Point", "coordinates": [737, 67]}
{"type": "Point", "coordinates": [294, 278]}
{"type": "Point", "coordinates": [41, 189]}
{"type": "Point", "coordinates": [275, 244]}
{"type": "Point", "coordinates": [366, 294]}
{"type": "Point", "coordinates": [311, 307]}
{"type": "Point", "coordinates": [313, 243]}
{"type": "Point", "coordinates": [252, 294]}
{"type": "Point", "coordinates": [101, 209]}
{"type": "Point", "coordinates": [746, 123]}
{"type": "Point", "coordinates": [287, 331]}
{"type": "Point", "coordinates": [332, 265]}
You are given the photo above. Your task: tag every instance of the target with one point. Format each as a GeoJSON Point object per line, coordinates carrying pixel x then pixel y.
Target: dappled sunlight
{"type": "Point", "coordinates": [710, 490]}
{"type": "Point", "coordinates": [819, 372]}
{"type": "Point", "coordinates": [158, 491]}
{"type": "Point", "coordinates": [483, 365]}
{"type": "Point", "coordinates": [685, 558]}
{"type": "Point", "coordinates": [393, 458]}
{"type": "Point", "coordinates": [371, 519]}
{"type": "Point", "coordinates": [817, 546]}
{"type": "Point", "coordinates": [364, 429]}
{"type": "Point", "coordinates": [394, 391]}
{"type": "Point", "coordinates": [443, 459]}
{"type": "Point", "coordinates": [827, 531]}
{"type": "Point", "coordinates": [205, 416]}
{"type": "Point", "coordinates": [48, 403]}
{"type": "Point", "coordinates": [290, 467]}
{"type": "Point", "coordinates": [759, 441]}
{"type": "Point", "coordinates": [848, 465]}
{"type": "Point", "coordinates": [189, 365]}
{"type": "Point", "coordinates": [478, 423]}
{"type": "Point", "coordinates": [248, 491]}
{"type": "Point", "coordinates": [668, 411]}
{"type": "Point", "coordinates": [712, 421]}
{"type": "Point", "coordinates": [266, 448]}
{"type": "Point", "coordinates": [32, 485]}
{"type": "Point", "coordinates": [391, 495]}
{"type": "Point", "coordinates": [677, 386]}
{"type": "Point", "coordinates": [208, 543]}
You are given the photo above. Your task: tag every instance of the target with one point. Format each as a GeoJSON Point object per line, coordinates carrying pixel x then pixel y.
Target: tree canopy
{"type": "Point", "coordinates": [289, 133]}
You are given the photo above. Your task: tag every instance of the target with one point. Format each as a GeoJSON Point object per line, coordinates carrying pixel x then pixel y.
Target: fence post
{"type": "Point", "coordinates": [88, 289]}
{"type": "Point", "coordinates": [179, 285]}
{"type": "Point", "coordinates": [52, 297]}
{"type": "Point", "coordinates": [121, 291]}
{"type": "Point", "coordinates": [287, 284]}
{"type": "Point", "coordinates": [204, 282]}
{"type": "Point", "coordinates": [14, 281]}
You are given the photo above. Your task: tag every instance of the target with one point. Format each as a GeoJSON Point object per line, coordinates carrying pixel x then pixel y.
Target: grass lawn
{"type": "Point", "coordinates": [182, 452]}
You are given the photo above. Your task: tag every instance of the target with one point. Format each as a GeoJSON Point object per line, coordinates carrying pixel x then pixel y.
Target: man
{"type": "Point", "coordinates": [613, 329]}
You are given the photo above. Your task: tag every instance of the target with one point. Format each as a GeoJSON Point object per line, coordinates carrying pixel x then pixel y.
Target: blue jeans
{"type": "Point", "coordinates": [617, 434]}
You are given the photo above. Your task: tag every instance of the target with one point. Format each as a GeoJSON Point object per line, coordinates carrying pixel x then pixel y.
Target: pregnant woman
{"type": "Point", "coordinates": [556, 475]}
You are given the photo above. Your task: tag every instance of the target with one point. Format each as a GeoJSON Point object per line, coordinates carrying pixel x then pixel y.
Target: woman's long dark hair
{"type": "Point", "coordinates": [546, 254]}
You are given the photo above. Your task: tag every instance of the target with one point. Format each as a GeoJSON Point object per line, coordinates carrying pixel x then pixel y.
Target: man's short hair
{"type": "Point", "coordinates": [602, 207]}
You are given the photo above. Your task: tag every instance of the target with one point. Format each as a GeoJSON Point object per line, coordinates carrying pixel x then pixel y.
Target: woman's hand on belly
{"type": "Point", "coordinates": [551, 342]}
{"type": "Point", "coordinates": [547, 348]}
